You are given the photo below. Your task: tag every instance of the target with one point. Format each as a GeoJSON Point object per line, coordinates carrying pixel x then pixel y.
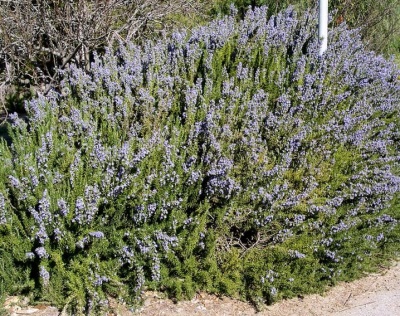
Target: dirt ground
{"type": "Point", "coordinates": [374, 295]}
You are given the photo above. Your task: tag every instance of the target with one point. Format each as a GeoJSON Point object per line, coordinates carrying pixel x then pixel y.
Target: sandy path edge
{"type": "Point", "coordinates": [374, 295]}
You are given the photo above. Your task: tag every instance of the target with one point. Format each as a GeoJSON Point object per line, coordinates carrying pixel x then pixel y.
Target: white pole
{"type": "Point", "coordinates": [323, 25]}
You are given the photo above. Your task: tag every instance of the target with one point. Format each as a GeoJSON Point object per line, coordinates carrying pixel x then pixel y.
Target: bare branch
{"type": "Point", "coordinates": [38, 38]}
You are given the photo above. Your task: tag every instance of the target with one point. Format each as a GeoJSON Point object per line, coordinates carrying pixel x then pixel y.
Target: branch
{"type": "Point", "coordinates": [65, 62]}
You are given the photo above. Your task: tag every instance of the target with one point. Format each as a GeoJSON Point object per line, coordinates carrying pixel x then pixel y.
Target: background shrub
{"type": "Point", "coordinates": [40, 38]}
{"type": "Point", "coordinates": [379, 21]}
{"type": "Point", "coordinates": [231, 159]}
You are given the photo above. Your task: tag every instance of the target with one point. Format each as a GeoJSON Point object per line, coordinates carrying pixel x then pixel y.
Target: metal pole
{"type": "Point", "coordinates": [323, 26]}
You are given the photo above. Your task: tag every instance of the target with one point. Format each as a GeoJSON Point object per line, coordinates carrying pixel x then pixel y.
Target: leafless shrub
{"type": "Point", "coordinates": [379, 20]}
{"type": "Point", "coordinates": [38, 38]}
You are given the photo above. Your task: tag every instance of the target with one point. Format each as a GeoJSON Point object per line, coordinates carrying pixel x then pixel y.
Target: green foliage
{"type": "Point", "coordinates": [233, 160]}
{"type": "Point", "coordinates": [15, 99]}
{"type": "Point", "coordinates": [223, 6]}
{"type": "Point", "coordinates": [379, 21]}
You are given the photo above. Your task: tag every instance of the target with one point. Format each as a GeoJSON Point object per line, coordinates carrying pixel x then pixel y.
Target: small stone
{"type": "Point", "coordinates": [28, 311]}
{"type": "Point", "coordinates": [201, 307]}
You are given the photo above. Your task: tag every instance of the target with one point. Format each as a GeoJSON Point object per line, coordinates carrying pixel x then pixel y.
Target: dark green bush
{"type": "Point", "coordinates": [233, 159]}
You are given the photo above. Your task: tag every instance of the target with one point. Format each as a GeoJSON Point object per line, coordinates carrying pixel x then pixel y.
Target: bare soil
{"type": "Point", "coordinates": [374, 295]}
